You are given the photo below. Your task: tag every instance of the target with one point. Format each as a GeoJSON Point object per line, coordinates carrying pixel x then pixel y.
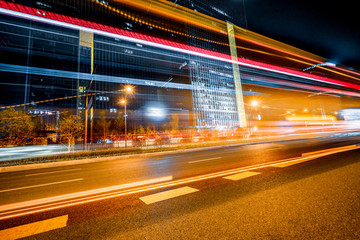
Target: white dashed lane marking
{"type": "Point", "coordinates": [242, 175]}
{"type": "Point", "coordinates": [157, 197]}
{"type": "Point", "coordinates": [34, 228]}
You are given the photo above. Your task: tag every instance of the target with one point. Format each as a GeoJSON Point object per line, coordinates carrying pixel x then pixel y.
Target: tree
{"type": "Point", "coordinates": [16, 127]}
{"type": "Point", "coordinates": [39, 127]}
{"type": "Point", "coordinates": [149, 131]}
{"type": "Point", "coordinates": [118, 125]}
{"type": "Point", "coordinates": [140, 130]}
{"type": "Point", "coordinates": [39, 133]}
{"type": "Point", "coordinates": [70, 127]}
{"type": "Point", "coordinates": [103, 125]}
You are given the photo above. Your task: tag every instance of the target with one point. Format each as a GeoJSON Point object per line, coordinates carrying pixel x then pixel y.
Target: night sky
{"type": "Point", "coordinates": [330, 29]}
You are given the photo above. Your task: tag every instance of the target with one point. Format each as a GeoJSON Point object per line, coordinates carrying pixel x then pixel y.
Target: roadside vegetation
{"type": "Point", "coordinates": [19, 128]}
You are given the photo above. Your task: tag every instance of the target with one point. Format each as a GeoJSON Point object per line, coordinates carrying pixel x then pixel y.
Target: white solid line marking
{"type": "Point", "coordinates": [40, 185]}
{"type": "Point", "coordinates": [242, 175]}
{"type": "Point", "coordinates": [44, 173]}
{"type": "Point", "coordinates": [203, 160]}
{"type": "Point", "coordinates": [157, 197]}
{"type": "Point", "coordinates": [34, 228]}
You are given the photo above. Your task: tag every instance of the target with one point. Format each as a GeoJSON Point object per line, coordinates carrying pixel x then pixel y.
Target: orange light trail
{"type": "Point", "coordinates": [180, 13]}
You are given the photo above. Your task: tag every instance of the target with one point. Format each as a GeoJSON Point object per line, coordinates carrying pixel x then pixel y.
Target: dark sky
{"type": "Point", "coordinates": [330, 29]}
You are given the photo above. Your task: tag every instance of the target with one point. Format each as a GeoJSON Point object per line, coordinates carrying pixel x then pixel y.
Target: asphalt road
{"type": "Point", "coordinates": [303, 198]}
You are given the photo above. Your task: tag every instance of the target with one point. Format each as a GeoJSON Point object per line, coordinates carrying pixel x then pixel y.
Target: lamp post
{"type": "Point", "coordinates": [254, 104]}
{"type": "Point", "coordinates": [123, 101]}
{"type": "Point", "coordinates": [128, 89]}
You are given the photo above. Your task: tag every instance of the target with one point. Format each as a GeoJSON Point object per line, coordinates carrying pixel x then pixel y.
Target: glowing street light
{"type": "Point", "coordinates": [128, 89]}
{"type": "Point", "coordinates": [254, 103]}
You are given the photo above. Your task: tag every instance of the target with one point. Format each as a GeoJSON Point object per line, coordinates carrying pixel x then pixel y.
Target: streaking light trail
{"type": "Point", "coordinates": [64, 21]}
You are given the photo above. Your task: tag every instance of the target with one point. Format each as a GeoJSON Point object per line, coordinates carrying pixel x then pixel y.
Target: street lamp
{"type": "Point", "coordinates": [127, 89]}
{"type": "Point", "coordinates": [123, 101]}
{"type": "Point", "coordinates": [254, 103]}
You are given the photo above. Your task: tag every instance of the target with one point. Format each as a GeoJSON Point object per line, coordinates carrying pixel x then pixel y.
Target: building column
{"type": "Point", "coordinates": [237, 79]}
{"type": "Point", "coordinates": [85, 65]}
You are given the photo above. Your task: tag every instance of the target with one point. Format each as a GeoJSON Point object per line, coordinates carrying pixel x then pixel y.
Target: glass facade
{"type": "Point", "coordinates": [52, 65]}
{"type": "Point", "coordinates": [78, 56]}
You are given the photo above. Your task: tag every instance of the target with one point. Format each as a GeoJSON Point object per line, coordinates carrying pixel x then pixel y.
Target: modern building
{"type": "Point", "coordinates": [183, 58]}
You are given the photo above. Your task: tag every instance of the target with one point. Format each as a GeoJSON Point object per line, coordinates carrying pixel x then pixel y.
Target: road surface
{"type": "Point", "coordinates": [305, 189]}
